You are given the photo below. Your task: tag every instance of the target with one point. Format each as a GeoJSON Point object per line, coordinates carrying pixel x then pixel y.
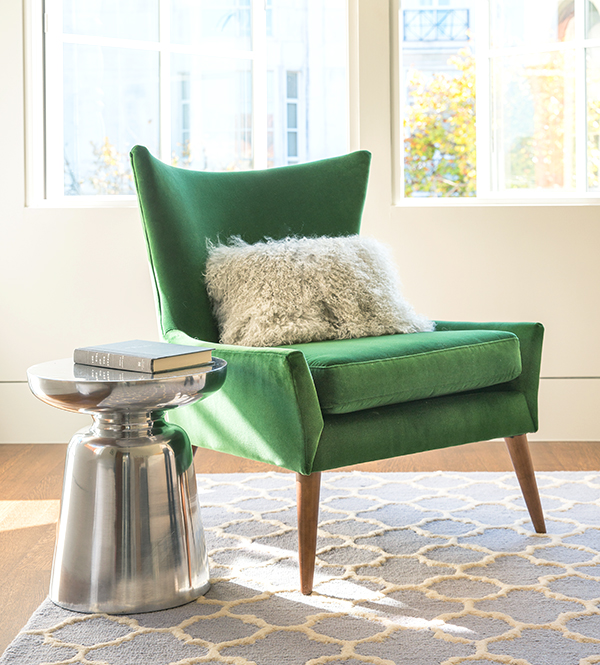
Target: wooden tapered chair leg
{"type": "Point", "coordinates": [308, 489]}
{"type": "Point", "coordinates": [518, 449]}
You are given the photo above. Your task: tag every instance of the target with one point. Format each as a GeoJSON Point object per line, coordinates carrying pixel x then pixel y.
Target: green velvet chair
{"type": "Point", "coordinates": [324, 405]}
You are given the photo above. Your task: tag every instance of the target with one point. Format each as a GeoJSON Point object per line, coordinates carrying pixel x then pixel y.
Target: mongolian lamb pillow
{"type": "Point", "coordinates": [299, 290]}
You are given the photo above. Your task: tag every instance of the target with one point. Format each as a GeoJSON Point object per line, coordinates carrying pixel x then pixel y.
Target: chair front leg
{"type": "Point", "coordinates": [518, 449]}
{"type": "Point", "coordinates": [308, 489]}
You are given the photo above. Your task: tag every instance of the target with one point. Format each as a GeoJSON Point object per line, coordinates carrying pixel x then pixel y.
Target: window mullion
{"type": "Point", "coordinates": [533, 49]}
{"type": "Point", "coordinates": [397, 86]}
{"type": "Point", "coordinates": [35, 102]}
{"type": "Point", "coordinates": [114, 42]}
{"type": "Point", "coordinates": [353, 77]}
{"type": "Point", "coordinates": [484, 130]}
{"type": "Point", "coordinates": [259, 84]}
{"type": "Point", "coordinates": [53, 103]}
{"type": "Point", "coordinates": [165, 79]}
{"type": "Point", "coordinates": [580, 100]}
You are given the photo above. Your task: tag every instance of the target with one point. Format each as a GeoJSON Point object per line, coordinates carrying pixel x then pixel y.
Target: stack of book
{"type": "Point", "coordinates": [143, 356]}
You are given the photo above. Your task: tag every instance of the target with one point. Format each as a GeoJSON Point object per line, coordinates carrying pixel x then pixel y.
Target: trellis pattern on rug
{"type": "Point", "coordinates": [421, 568]}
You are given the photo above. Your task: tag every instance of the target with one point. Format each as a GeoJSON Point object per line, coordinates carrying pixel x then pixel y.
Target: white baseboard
{"type": "Point", "coordinates": [25, 419]}
{"type": "Point", "coordinates": [569, 410]}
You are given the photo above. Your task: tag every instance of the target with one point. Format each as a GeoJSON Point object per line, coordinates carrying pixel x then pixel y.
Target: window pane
{"type": "Point", "coordinates": [219, 23]}
{"type": "Point", "coordinates": [292, 144]}
{"type": "Point", "coordinates": [110, 104]}
{"type": "Point", "coordinates": [438, 98]}
{"type": "Point", "coordinates": [593, 118]}
{"type": "Point", "coordinates": [206, 135]}
{"type": "Point", "coordinates": [292, 85]}
{"type": "Point", "coordinates": [292, 116]}
{"type": "Point", "coordinates": [125, 19]}
{"type": "Point", "coordinates": [307, 54]}
{"type": "Point", "coordinates": [270, 115]}
{"type": "Point", "coordinates": [528, 22]}
{"type": "Point", "coordinates": [534, 113]}
{"type": "Point", "coordinates": [592, 23]}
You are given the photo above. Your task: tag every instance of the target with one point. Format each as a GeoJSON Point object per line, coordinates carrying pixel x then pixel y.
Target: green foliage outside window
{"type": "Point", "coordinates": [439, 148]}
{"type": "Point", "coordinates": [113, 172]}
{"type": "Point", "coordinates": [538, 131]}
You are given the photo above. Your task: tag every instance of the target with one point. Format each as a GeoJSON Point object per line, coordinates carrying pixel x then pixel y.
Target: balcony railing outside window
{"type": "Point", "coordinates": [432, 25]}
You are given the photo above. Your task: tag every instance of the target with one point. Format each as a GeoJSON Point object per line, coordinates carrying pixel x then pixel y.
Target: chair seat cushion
{"type": "Point", "coordinates": [370, 372]}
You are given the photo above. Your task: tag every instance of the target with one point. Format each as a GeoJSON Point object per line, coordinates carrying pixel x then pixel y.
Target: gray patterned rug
{"type": "Point", "coordinates": [418, 569]}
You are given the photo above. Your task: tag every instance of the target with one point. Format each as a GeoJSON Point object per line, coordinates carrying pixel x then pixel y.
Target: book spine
{"type": "Point", "coordinates": [113, 361]}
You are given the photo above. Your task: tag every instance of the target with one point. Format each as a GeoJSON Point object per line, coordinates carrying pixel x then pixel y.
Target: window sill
{"type": "Point", "coordinates": [85, 202]}
{"type": "Point", "coordinates": [474, 202]}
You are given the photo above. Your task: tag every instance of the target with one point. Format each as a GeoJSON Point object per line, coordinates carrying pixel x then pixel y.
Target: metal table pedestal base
{"type": "Point", "coordinates": [130, 537]}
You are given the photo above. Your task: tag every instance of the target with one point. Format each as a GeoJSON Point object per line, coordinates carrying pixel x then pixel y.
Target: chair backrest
{"type": "Point", "coordinates": [181, 209]}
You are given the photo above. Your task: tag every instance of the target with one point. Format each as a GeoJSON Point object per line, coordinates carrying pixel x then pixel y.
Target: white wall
{"type": "Point", "coordinates": [76, 277]}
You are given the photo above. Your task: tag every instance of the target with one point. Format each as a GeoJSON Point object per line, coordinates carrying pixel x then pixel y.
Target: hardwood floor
{"type": "Point", "coordinates": [30, 487]}
{"type": "Point", "coordinates": [484, 456]}
{"type": "Point", "coordinates": [31, 481]}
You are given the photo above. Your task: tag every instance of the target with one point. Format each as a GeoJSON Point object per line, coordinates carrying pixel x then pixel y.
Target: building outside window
{"type": "Point", "coordinates": [204, 84]}
{"type": "Point", "coordinates": [306, 57]}
{"type": "Point", "coordinates": [437, 24]}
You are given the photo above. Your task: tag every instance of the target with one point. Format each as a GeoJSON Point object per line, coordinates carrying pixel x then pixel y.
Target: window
{"type": "Point", "coordinates": [500, 99]}
{"type": "Point", "coordinates": [204, 84]}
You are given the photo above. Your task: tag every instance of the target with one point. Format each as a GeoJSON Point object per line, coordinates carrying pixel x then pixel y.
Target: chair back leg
{"type": "Point", "coordinates": [308, 489]}
{"type": "Point", "coordinates": [518, 449]}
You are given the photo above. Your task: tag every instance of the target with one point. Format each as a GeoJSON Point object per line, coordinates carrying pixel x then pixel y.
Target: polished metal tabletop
{"type": "Point", "coordinates": [87, 389]}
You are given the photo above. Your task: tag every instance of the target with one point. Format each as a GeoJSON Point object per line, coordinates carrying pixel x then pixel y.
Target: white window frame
{"type": "Point", "coordinates": [486, 150]}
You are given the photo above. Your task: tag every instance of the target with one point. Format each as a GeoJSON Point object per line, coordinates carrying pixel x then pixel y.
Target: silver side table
{"type": "Point", "coordinates": [129, 535]}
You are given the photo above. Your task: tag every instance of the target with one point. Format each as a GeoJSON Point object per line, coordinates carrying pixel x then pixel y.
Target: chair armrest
{"type": "Point", "coordinates": [530, 336]}
{"type": "Point", "coordinates": [267, 409]}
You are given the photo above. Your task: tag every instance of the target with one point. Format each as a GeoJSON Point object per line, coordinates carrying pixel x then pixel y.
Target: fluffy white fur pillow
{"type": "Point", "coordinates": [306, 289]}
